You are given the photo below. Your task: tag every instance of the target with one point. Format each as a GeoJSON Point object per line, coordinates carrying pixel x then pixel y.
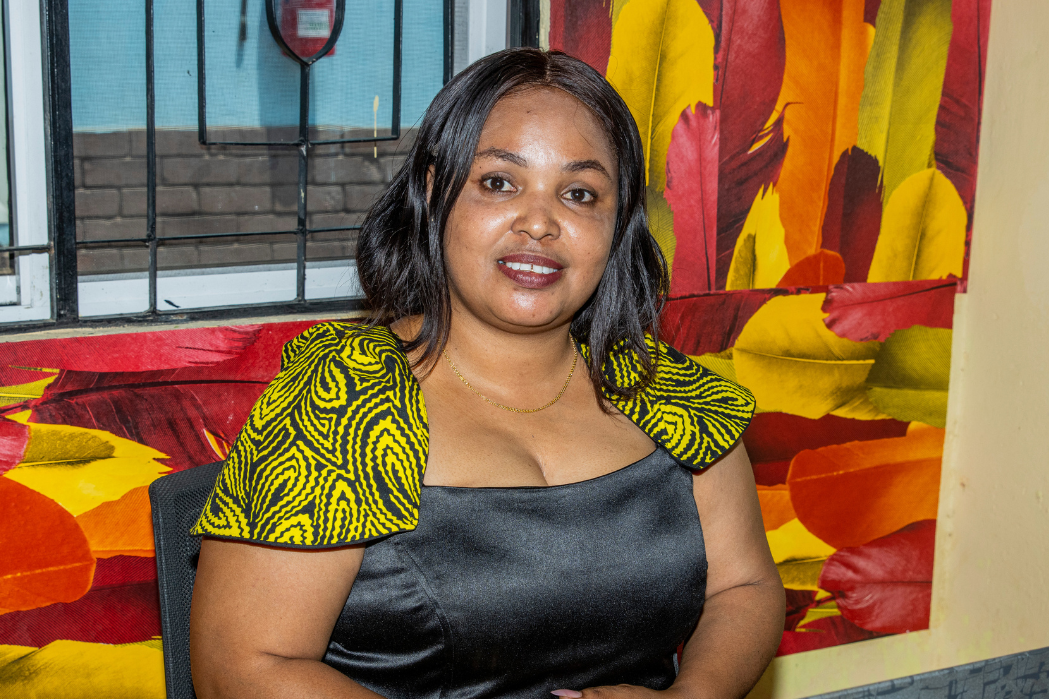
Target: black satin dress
{"type": "Point", "coordinates": [514, 592]}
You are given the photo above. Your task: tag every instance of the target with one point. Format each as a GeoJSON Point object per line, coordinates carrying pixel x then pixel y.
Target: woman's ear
{"type": "Point", "coordinates": [429, 182]}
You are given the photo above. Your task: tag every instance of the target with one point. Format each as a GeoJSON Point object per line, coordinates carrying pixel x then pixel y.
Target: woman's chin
{"type": "Point", "coordinates": [529, 320]}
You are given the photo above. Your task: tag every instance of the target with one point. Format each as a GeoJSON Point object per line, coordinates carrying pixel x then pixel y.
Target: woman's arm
{"type": "Point", "coordinates": [262, 617]}
{"type": "Point", "coordinates": [742, 621]}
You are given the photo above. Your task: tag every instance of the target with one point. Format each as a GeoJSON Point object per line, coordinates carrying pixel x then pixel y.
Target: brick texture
{"type": "Point", "coordinates": [236, 200]}
{"type": "Point", "coordinates": [223, 189]}
{"type": "Point", "coordinates": [98, 203]}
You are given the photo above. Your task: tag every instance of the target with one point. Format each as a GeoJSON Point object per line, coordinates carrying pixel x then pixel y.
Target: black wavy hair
{"type": "Point", "coordinates": [400, 251]}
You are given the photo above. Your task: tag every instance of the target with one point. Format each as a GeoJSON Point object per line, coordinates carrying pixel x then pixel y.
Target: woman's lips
{"type": "Point", "coordinates": [530, 271]}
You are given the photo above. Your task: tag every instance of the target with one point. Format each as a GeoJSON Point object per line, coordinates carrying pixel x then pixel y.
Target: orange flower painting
{"type": "Point", "coordinates": [811, 179]}
{"type": "Point", "coordinates": [86, 424]}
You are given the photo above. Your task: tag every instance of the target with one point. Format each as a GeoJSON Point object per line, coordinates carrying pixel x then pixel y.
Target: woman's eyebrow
{"type": "Point", "coordinates": [500, 154]}
{"type": "Point", "coordinates": [574, 166]}
{"type": "Point", "coordinates": [580, 165]}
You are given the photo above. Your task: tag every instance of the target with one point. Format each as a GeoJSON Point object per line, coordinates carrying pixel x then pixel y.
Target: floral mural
{"type": "Point", "coordinates": [811, 177]}
{"type": "Point", "coordinates": [87, 424]}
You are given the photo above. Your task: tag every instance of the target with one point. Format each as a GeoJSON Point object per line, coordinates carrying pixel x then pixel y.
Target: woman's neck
{"type": "Point", "coordinates": [521, 365]}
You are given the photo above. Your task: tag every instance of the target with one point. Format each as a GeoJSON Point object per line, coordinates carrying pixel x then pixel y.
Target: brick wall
{"type": "Point", "coordinates": [221, 189]}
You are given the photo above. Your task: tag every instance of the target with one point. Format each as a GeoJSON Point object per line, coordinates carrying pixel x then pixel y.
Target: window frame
{"type": "Point", "coordinates": [42, 174]}
{"type": "Point", "coordinates": [28, 170]}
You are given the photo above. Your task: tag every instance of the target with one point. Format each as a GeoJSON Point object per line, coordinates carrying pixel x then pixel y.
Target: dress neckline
{"type": "Point", "coordinates": [558, 486]}
{"type": "Point", "coordinates": [579, 348]}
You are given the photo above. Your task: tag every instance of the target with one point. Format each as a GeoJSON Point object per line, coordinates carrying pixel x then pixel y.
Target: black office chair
{"type": "Point", "coordinates": [177, 500]}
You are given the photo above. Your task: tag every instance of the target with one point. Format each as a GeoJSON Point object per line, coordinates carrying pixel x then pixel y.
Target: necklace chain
{"type": "Point", "coordinates": [575, 358]}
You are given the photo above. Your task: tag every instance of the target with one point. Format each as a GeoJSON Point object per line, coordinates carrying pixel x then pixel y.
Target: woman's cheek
{"type": "Point", "coordinates": [596, 258]}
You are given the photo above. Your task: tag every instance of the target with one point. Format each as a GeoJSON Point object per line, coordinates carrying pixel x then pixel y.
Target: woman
{"type": "Point", "coordinates": [496, 488]}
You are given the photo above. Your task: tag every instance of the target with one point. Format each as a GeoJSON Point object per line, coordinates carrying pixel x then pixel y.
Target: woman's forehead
{"type": "Point", "coordinates": [547, 120]}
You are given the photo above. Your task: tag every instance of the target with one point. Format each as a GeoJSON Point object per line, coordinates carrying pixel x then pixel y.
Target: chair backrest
{"type": "Point", "coordinates": [177, 500]}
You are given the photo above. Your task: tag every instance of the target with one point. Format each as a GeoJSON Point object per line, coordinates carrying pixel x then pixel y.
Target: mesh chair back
{"type": "Point", "coordinates": [177, 500]}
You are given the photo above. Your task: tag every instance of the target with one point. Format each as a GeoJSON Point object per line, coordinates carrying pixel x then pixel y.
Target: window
{"type": "Point", "coordinates": [203, 160]}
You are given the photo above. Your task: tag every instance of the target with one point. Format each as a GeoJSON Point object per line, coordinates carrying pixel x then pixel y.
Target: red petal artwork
{"type": "Point", "coordinates": [749, 62]}
{"type": "Point", "coordinates": [258, 362]}
{"type": "Point", "coordinates": [850, 494]}
{"type": "Point", "coordinates": [711, 322]}
{"type": "Point", "coordinates": [124, 570]}
{"type": "Point", "coordinates": [823, 633]}
{"type": "Point", "coordinates": [958, 119]}
{"type": "Point", "coordinates": [773, 439]}
{"type": "Point", "coordinates": [712, 9]}
{"type": "Point", "coordinates": [885, 585]}
{"type": "Point", "coordinates": [863, 312]}
{"type": "Point", "coordinates": [692, 192]}
{"type": "Point", "coordinates": [798, 604]}
{"type": "Point", "coordinates": [121, 607]}
{"type": "Point", "coordinates": [148, 351]}
{"type": "Point", "coordinates": [44, 556]}
{"type": "Point", "coordinates": [853, 218]}
{"type": "Point", "coordinates": [120, 527]}
{"type": "Point", "coordinates": [818, 269]}
{"type": "Point", "coordinates": [583, 28]}
{"type": "Point", "coordinates": [174, 409]}
{"type": "Point", "coordinates": [14, 436]}
{"type": "Point", "coordinates": [870, 11]}
{"type": "Point", "coordinates": [748, 73]}
{"type": "Point", "coordinates": [740, 178]}
{"type": "Point", "coordinates": [172, 417]}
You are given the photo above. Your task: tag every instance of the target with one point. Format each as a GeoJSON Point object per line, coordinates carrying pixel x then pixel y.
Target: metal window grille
{"type": "Point", "coordinates": [523, 30]}
{"type": "Point", "coordinates": [523, 18]}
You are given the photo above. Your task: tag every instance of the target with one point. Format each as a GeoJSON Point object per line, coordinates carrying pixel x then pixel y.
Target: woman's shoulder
{"type": "Point", "coordinates": [695, 413]}
{"type": "Point", "coordinates": [332, 452]}
{"type": "Point", "coordinates": [361, 348]}
{"type": "Point", "coordinates": [336, 367]}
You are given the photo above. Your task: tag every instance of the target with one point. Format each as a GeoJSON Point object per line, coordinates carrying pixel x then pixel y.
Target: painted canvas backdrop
{"type": "Point", "coordinates": [811, 170]}
{"type": "Point", "coordinates": [86, 424]}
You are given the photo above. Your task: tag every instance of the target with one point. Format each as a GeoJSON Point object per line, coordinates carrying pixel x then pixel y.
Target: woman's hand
{"type": "Point", "coordinates": [621, 691]}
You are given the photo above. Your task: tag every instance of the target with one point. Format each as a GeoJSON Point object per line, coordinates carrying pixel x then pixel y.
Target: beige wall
{"type": "Point", "coordinates": [991, 581]}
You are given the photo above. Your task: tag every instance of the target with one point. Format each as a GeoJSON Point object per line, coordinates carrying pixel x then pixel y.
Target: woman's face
{"type": "Point", "coordinates": [527, 241]}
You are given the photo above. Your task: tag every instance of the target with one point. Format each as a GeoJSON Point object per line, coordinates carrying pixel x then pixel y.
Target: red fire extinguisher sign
{"type": "Point", "coordinates": [306, 25]}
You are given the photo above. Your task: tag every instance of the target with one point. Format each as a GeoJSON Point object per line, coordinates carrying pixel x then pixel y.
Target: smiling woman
{"type": "Point", "coordinates": [388, 524]}
{"type": "Point", "coordinates": [504, 120]}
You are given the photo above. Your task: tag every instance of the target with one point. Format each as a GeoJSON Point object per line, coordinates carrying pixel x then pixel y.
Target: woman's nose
{"type": "Point", "coordinates": [536, 217]}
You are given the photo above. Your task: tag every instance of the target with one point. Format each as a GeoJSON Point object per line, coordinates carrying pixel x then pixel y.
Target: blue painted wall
{"type": "Point", "coordinates": [249, 83]}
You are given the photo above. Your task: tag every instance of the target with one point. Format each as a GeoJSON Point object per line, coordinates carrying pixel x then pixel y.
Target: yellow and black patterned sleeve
{"type": "Point", "coordinates": [695, 414]}
{"type": "Point", "coordinates": [334, 450]}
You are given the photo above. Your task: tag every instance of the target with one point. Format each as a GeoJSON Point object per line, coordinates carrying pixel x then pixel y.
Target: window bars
{"type": "Point", "coordinates": [63, 246]}
{"type": "Point", "coordinates": [303, 145]}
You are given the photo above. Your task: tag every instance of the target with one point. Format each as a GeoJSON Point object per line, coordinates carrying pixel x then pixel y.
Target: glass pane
{"type": "Point", "coordinates": [107, 47]}
{"type": "Point", "coordinates": [345, 180]}
{"type": "Point", "coordinates": [351, 90]}
{"type": "Point", "coordinates": [112, 280]}
{"type": "Point", "coordinates": [331, 272]}
{"type": "Point", "coordinates": [209, 199]}
{"type": "Point", "coordinates": [194, 276]}
{"type": "Point", "coordinates": [422, 51]}
{"type": "Point", "coordinates": [252, 88]}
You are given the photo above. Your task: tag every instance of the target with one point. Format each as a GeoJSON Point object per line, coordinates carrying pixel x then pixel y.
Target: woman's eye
{"type": "Point", "coordinates": [581, 196]}
{"type": "Point", "coordinates": [497, 184]}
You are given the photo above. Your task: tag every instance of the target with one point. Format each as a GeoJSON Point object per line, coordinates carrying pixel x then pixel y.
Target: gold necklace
{"type": "Point", "coordinates": [575, 358]}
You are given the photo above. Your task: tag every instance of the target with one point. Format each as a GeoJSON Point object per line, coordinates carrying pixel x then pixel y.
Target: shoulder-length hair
{"type": "Point", "coordinates": [400, 251]}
